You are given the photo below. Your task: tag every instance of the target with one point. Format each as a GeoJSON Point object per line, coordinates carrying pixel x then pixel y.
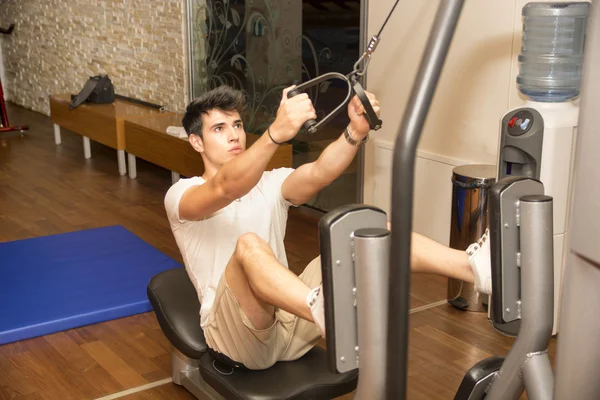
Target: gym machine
{"type": "Point", "coordinates": [366, 268]}
{"type": "Point", "coordinates": [522, 255]}
{"type": "Point", "coordinates": [367, 308]}
{"type": "Point", "coordinates": [355, 251]}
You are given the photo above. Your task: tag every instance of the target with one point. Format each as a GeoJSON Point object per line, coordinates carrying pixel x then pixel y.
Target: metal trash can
{"type": "Point", "coordinates": [470, 188]}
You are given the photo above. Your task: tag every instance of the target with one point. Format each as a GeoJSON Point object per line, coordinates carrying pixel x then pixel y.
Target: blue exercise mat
{"type": "Point", "coordinates": [53, 283]}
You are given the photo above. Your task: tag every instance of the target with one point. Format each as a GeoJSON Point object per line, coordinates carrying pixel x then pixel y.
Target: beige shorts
{"type": "Point", "coordinates": [230, 332]}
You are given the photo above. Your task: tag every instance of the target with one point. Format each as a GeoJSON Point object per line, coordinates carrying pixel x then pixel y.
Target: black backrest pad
{"type": "Point", "coordinates": [177, 309]}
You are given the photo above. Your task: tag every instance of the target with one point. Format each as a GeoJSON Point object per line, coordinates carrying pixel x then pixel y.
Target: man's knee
{"type": "Point", "coordinates": [248, 244]}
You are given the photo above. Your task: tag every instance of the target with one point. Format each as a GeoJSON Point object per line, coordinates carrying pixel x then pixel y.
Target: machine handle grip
{"type": "Point", "coordinates": [310, 125]}
{"type": "Point", "coordinates": [374, 121]}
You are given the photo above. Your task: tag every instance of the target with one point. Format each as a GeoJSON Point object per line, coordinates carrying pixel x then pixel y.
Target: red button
{"type": "Point", "coordinates": [511, 123]}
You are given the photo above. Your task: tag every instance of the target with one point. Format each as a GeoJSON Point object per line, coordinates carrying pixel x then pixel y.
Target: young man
{"type": "Point", "coordinates": [230, 222]}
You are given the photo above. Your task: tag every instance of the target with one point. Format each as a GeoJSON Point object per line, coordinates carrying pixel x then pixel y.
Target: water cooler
{"type": "Point", "coordinates": [538, 139]}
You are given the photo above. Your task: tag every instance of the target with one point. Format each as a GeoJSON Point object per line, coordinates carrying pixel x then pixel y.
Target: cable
{"type": "Point", "coordinates": [387, 18]}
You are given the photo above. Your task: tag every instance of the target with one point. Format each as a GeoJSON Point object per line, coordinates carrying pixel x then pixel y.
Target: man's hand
{"type": "Point", "coordinates": [308, 179]}
{"type": "Point", "coordinates": [359, 125]}
{"type": "Point", "coordinates": [291, 115]}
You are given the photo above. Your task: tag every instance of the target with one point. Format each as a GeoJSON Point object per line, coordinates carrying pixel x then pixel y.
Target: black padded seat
{"type": "Point", "coordinates": [303, 379]}
{"type": "Point", "coordinates": [177, 309]}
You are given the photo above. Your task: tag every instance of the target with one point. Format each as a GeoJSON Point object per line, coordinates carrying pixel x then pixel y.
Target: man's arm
{"type": "Point", "coordinates": [236, 178]}
{"type": "Point", "coordinates": [307, 180]}
{"type": "Point", "coordinates": [239, 175]}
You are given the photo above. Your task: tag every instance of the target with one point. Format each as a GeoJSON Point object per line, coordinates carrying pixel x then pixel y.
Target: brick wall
{"type": "Point", "coordinates": [58, 44]}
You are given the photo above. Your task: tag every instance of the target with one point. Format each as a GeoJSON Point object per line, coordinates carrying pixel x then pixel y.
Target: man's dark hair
{"type": "Point", "coordinates": [223, 98]}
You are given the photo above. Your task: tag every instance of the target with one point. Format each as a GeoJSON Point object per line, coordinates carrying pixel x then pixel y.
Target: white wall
{"type": "Point", "coordinates": [474, 85]}
{"type": "Point", "coordinates": [476, 88]}
{"type": "Point", "coordinates": [433, 189]}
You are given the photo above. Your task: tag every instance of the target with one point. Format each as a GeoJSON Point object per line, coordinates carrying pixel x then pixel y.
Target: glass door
{"type": "Point", "coordinates": [263, 46]}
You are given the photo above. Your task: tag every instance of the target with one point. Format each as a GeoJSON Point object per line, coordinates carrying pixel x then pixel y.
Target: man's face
{"type": "Point", "coordinates": [223, 137]}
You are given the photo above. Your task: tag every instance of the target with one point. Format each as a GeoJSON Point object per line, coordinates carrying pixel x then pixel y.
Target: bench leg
{"type": "Point", "coordinates": [87, 152]}
{"type": "Point", "coordinates": [131, 165]}
{"type": "Point", "coordinates": [122, 166]}
{"type": "Point", "coordinates": [185, 372]}
{"type": "Point", "coordinates": [57, 134]}
{"type": "Point", "coordinates": [181, 365]}
{"type": "Point", "coordinates": [174, 176]}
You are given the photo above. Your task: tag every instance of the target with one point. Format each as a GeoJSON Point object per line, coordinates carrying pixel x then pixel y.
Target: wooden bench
{"type": "Point", "coordinates": [147, 138]}
{"type": "Point", "coordinates": [103, 123]}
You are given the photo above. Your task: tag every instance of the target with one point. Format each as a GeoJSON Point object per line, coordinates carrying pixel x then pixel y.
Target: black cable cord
{"type": "Point", "coordinates": [387, 18]}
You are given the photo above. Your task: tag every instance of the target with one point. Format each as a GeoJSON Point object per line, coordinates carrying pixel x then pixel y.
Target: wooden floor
{"type": "Point", "coordinates": [47, 189]}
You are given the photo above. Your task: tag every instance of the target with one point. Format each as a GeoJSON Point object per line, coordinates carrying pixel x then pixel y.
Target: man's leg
{"type": "Point", "coordinates": [472, 265]}
{"type": "Point", "coordinates": [260, 283]}
{"type": "Point", "coordinates": [429, 256]}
